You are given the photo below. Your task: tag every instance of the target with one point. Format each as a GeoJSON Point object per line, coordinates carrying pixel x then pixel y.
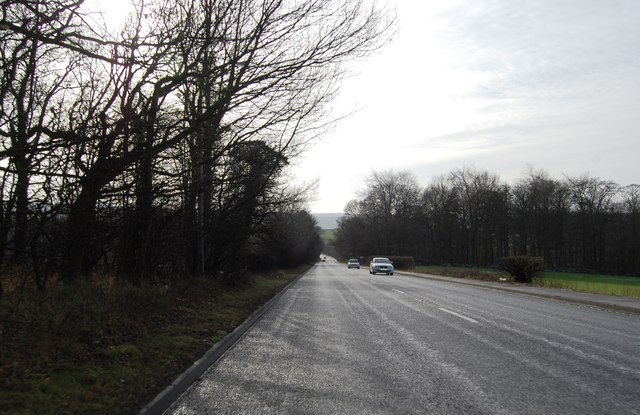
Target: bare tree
{"type": "Point", "coordinates": [628, 234]}
{"type": "Point", "coordinates": [116, 138]}
{"type": "Point", "coordinates": [265, 70]}
{"type": "Point", "coordinates": [34, 76]}
{"type": "Point", "coordinates": [541, 217]}
{"type": "Point", "coordinates": [483, 214]}
{"type": "Point", "coordinates": [593, 201]}
{"type": "Point", "coordinates": [471, 217]}
{"type": "Point", "coordinates": [440, 230]}
{"type": "Point", "coordinates": [387, 209]}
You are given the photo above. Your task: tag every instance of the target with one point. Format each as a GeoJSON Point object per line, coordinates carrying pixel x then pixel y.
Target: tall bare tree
{"type": "Point", "coordinates": [115, 138]}
{"type": "Point", "coordinates": [593, 200]}
{"type": "Point", "coordinates": [541, 208]}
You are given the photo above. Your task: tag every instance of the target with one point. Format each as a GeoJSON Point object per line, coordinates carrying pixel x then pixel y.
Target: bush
{"type": "Point", "coordinates": [403, 262]}
{"type": "Point", "coordinates": [522, 268]}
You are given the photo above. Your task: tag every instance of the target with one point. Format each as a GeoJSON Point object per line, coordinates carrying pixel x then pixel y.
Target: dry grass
{"type": "Point", "coordinates": [107, 349]}
{"type": "Point", "coordinates": [482, 274]}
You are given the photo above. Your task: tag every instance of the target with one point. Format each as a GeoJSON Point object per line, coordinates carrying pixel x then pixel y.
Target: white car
{"type": "Point", "coordinates": [382, 265]}
{"type": "Point", "coordinates": [353, 263]}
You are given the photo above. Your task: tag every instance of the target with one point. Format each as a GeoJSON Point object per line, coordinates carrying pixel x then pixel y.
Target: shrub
{"type": "Point", "coordinates": [403, 262]}
{"type": "Point", "coordinates": [522, 268]}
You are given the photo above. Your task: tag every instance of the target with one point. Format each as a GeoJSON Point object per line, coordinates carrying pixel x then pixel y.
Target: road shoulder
{"type": "Point", "coordinates": [609, 302]}
{"type": "Point", "coordinates": [172, 392]}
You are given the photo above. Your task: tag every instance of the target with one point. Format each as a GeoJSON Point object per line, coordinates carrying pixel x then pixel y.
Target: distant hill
{"type": "Point", "coordinates": [327, 220]}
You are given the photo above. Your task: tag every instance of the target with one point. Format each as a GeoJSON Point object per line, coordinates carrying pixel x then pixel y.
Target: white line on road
{"type": "Point", "coordinates": [398, 291]}
{"type": "Point", "coordinates": [458, 315]}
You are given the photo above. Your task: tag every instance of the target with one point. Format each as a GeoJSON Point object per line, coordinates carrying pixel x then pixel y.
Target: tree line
{"type": "Point", "coordinates": [163, 149]}
{"type": "Point", "coordinates": [471, 217]}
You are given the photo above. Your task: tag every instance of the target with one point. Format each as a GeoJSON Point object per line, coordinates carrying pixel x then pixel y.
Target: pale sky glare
{"type": "Point", "coordinates": [500, 85]}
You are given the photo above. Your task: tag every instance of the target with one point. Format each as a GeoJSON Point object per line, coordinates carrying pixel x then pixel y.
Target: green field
{"type": "Point", "coordinates": [328, 236]}
{"type": "Point", "coordinates": [593, 283]}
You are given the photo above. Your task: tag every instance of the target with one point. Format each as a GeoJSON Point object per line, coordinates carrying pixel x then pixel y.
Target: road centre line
{"type": "Point", "coordinates": [398, 291]}
{"type": "Point", "coordinates": [458, 315]}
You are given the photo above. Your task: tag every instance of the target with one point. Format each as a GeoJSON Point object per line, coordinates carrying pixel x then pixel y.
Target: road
{"type": "Point", "coordinates": [345, 342]}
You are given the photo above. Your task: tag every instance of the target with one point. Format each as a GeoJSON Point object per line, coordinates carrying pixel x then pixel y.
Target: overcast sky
{"type": "Point", "coordinates": [500, 85]}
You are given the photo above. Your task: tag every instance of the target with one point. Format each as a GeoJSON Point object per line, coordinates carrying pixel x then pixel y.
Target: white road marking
{"type": "Point", "coordinates": [398, 291]}
{"type": "Point", "coordinates": [458, 315]}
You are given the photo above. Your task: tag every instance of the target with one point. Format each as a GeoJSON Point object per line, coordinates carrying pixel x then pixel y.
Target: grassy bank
{"type": "Point", "coordinates": [594, 283]}
{"type": "Point", "coordinates": [111, 350]}
{"type": "Point", "coordinates": [483, 274]}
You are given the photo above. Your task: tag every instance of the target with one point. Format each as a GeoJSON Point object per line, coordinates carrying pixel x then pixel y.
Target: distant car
{"type": "Point", "coordinates": [353, 263]}
{"type": "Point", "coordinates": [382, 265]}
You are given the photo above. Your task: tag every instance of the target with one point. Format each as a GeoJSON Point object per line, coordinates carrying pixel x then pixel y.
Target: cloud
{"type": "Point", "coordinates": [554, 80]}
{"type": "Point", "coordinates": [501, 85]}
{"type": "Point", "coordinates": [543, 48]}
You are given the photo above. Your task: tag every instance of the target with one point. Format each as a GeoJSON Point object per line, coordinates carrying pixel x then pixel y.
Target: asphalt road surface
{"type": "Point", "coordinates": [345, 342]}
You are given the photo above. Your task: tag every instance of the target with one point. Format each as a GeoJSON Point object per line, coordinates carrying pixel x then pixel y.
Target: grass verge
{"type": "Point", "coordinates": [623, 286]}
{"type": "Point", "coordinates": [111, 350]}
{"type": "Point", "coordinates": [483, 274]}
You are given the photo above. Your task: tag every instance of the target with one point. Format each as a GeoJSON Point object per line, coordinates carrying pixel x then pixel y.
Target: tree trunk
{"type": "Point", "coordinates": [22, 208]}
{"type": "Point", "coordinates": [80, 228]}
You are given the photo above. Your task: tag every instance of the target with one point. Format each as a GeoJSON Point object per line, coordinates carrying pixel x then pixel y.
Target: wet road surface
{"type": "Point", "coordinates": [344, 342]}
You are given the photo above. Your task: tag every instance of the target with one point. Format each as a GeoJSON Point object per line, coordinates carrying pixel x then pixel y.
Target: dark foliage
{"type": "Point", "coordinates": [406, 263]}
{"type": "Point", "coordinates": [523, 268]}
{"type": "Point", "coordinates": [471, 217]}
{"type": "Point", "coordinates": [161, 152]}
